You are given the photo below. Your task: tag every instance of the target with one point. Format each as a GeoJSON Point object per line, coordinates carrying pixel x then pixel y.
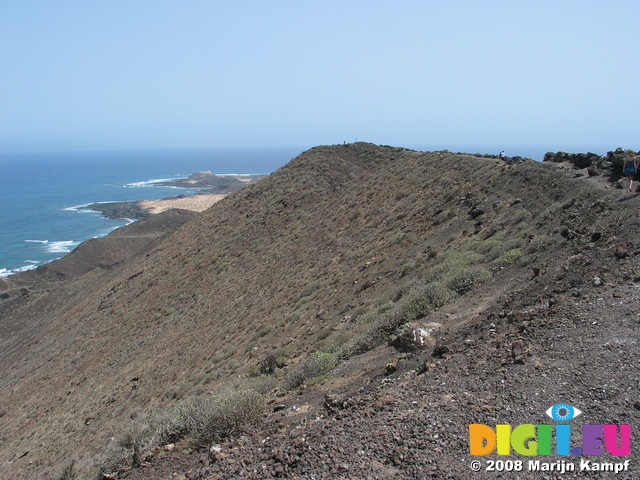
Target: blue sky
{"type": "Point", "coordinates": [471, 75]}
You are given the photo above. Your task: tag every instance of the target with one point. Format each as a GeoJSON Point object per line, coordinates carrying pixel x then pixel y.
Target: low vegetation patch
{"type": "Point", "coordinates": [443, 217]}
{"type": "Point", "coordinates": [204, 419]}
{"type": "Point", "coordinates": [539, 242]}
{"type": "Point", "coordinates": [224, 415]}
{"type": "Point", "coordinates": [314, 366]}
{"type": "Point", "coordinates": [510, 256]}
{"type": "Point", "coordinates": [381, 323]}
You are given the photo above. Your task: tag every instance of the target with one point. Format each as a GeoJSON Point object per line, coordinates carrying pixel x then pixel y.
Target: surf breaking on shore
{"type": "Point", "coordinates": [62, 247]}
{"type": "Point", "coordinates": [211, 188]}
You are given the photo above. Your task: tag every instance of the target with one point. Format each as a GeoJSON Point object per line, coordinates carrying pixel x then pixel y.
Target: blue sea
{"type": "Point", "coordinates": [43, 193]}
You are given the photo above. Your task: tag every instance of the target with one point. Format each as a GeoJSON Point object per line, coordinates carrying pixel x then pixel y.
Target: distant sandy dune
{"type": "Point", "coordinates": [195, 203]}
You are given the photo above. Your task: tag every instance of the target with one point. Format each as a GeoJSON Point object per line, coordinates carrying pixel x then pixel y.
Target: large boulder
{"type": "Point", "coordinates": [617, 158]}
{"type": "Point", "coordinates": [414, 336]}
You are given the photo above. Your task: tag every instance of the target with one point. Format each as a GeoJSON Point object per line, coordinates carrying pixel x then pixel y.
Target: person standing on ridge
{"type": "Point", "coordinates": [629, 168]}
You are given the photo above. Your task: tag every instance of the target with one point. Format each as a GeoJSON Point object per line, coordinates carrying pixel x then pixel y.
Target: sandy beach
{"type": "Point", "coordinates": [194, 203]}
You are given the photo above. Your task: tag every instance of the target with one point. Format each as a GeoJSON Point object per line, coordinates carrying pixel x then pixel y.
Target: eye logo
{"type": "Point", "coordinates": [562, 412]}
{"type": "Point", "coordinates": [531, 440]}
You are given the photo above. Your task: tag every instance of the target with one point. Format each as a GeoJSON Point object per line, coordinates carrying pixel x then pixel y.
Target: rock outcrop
{"type": "Point", "coordinates": [414, 336]}
{"type": "Point", "coordinates": [609, 164]}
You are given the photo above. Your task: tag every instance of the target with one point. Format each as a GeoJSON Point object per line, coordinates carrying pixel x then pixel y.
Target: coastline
{"type": "Point", "coordinates": [98, 252]}
{"type": "Point", "coordinates": [45, 212]}
{"type": "Point", "coordinates": [217, 187]}
{"type": "Point", "coordinates": [210, 189]}
{"type": "Point", "coordinates": [173, 211]}
{"type": "Point", "coordinates": [140, 209]}
{"type": "Point", "coordinates": [108, 250]}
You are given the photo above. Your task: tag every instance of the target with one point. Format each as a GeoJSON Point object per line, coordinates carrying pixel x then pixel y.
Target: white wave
{"type": "Point", "coordinates": [61, 247]}
{"type": "Point", "coordinates": [148, 183]}
{"type": "Point", "coordinates": [111, 229]}
{"type": "Point", "coordinates": [64, 246]}
{"type": "Point", "coordinates": [81, 209]}
{"type": "Point", "coordinates": [5, 273]}
{"type": "Point", "coordinates": [76, 207]}
{"type": "Point", "coordinates": [23, 269]}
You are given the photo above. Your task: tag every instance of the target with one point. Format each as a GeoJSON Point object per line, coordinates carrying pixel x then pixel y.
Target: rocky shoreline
{"type": "Point", "coordinates": [119, 210]}
{"type": "Point", "coordinates": [214, 183]}
{"type": "Point", "coordinates": [217, 187]}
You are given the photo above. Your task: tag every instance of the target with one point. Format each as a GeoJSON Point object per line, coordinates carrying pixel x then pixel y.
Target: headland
{"type": "Point", "coordinates": [214, 188]}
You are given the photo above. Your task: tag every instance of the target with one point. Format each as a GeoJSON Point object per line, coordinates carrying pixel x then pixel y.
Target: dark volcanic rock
{"type": "Point", "coordinates": [118, 210]}
{"type": "Point", "coordinates": [580, 160]}
{"type": "Point", "coordinates": [214, 183]}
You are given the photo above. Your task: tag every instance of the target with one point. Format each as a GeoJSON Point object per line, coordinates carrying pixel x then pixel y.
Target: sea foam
{"type": "Point", "coordinates": [64, 246]}
{"type": "Point", "coordinates": [5, 272]}
{"type": "Point", "coordinates": [150, 183]}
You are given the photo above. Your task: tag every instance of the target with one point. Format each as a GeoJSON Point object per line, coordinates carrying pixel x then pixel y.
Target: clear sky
{"type": "Point", "coordinates": [458, 74]}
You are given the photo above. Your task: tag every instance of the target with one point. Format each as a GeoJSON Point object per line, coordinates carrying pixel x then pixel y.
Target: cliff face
{"type": "Point", "coordinates": [313, 259]}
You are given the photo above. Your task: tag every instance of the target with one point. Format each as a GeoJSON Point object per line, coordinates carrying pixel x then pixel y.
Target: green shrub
{"type": "Point", "coordinates": [491, 247]}
{"type": "Point", "coordinates": [444, 216]}
{"type": "Point", "coordinates": [459, 272]}
{"type": "Point", "coordinates": [262, 384]}
{"type": "Point", "coordinates": [400, 194]}
{"type": "Point", "coordinates": [143, 432]}
{"type": "Point", "coordinates": [205, 419]}
{"type": "Point", "coordinates": [275, 359]}
{"type": "Point", "coordinates": [265, 330]}
{"type": "Point", "coordinates": [178, 392]}
{"type": "Point", "coordinates": [521, 215]}
{"type": "Point", "coordinates": [553, 210]}
{"type": "Point", "coordinates": [539, 242]}
{"type": "Point", "coordinates": [226, 414]}
{"type": "Point", "coordinates": [462, 280]}
{"type": "Point", "coordinates": [510, 256]}
{"type": "Point", "coordinates": [315, 365]}
{"type": "Point", "coordinates": [513, 243]}
{"type": "Point", "coordinates": [452, 259]}
{"type": "Point", "coordinates": [336, 340]}
{"type": "Point", "coordinates": [413, 305]}
{"type": "Point", "coordinates": [420, 301]}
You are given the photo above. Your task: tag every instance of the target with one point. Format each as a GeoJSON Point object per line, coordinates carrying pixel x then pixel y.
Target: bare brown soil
{"type": "Point", "coordinates": [290, 264]}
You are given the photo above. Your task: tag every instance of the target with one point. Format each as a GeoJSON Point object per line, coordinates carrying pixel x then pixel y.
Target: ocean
{"type": "Point", "coordinates": [43, 193]}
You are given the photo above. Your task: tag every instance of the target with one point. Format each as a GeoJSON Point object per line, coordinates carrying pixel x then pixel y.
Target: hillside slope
{"type": "Point", "coordinates": [319, 257]}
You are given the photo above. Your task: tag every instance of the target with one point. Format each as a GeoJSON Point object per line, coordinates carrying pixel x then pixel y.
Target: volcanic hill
{"type": "Point", "coordinates": [347, 316]}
